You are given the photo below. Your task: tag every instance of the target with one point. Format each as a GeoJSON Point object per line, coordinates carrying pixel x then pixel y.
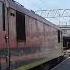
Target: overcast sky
{"type": "Point", "coordinates": [45, 4]}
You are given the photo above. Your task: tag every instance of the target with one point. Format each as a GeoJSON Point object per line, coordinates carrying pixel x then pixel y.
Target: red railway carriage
{"type": "Point", "coordinates": [27, 37]}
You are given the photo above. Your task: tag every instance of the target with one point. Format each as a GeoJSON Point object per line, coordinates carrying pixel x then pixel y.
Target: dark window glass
{"type": "Point", "coordinates": [3, 10]}
{"type": "Point", "coordinates": [58, 36]}
{"type": "Point", "coordinates": [20, 26]}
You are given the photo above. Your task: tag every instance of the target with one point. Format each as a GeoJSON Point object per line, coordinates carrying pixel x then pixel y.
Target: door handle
{"type": "Point", "coordinates": [6, 37]}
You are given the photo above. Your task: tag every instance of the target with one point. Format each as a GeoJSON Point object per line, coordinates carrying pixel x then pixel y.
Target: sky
{"type": "Point", "coordinates": [45, 5]}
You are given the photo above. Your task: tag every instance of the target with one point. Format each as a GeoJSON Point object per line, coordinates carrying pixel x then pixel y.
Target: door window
{"type": "Point", "coordinates": [2, 16]}
{"type": "Point", "coordinates": [20, 26]}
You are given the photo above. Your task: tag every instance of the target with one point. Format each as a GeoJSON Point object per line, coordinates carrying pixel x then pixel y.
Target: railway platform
{"type": "Point", "coordinates": [65, 65]}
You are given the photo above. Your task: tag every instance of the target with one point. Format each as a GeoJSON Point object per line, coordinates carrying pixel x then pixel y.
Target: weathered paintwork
{"type": "Point", "coordinates": [44, 36]}
{"type": "Point", "coordinates": [41, 36]}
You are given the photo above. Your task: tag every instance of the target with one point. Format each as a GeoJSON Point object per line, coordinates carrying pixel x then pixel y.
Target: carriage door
{"type": "Point", "coordinates": [2, 36]}
{"type": "Point", "coordinates": [12, 28]}
{"type": "Point", "coordinates": [2, 26]}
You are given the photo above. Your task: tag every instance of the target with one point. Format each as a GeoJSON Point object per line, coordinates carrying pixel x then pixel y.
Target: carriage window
{"type": "Point", "coordinates": [2, 14]}
{"type": "Point", "coordinates": [58, 36]}
{"type": "Point", "coordinates": [20, 26]}
{"type": "Point", "coordinates": [3, 17]}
